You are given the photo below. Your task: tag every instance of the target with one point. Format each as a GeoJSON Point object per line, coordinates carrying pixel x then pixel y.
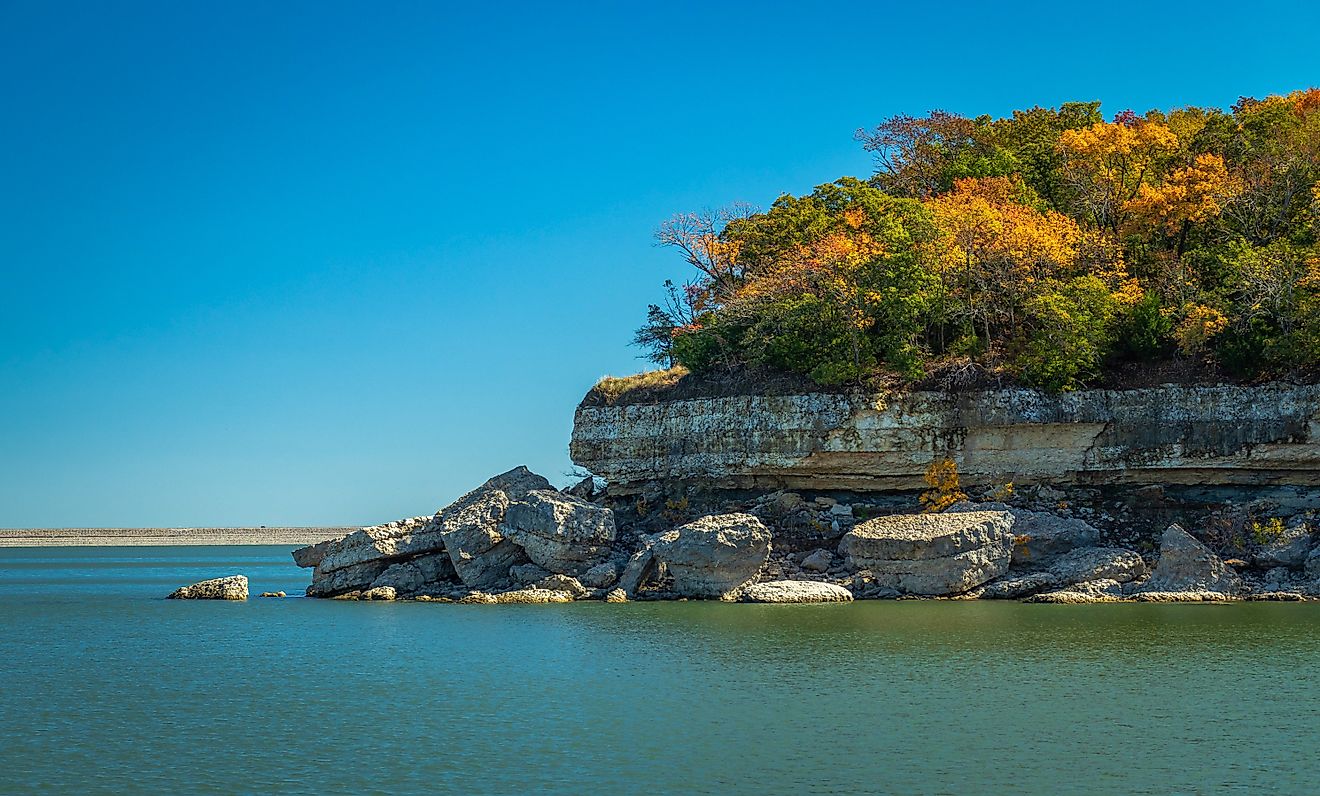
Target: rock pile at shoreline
{"type": "Point", "coordinates": [515, 539]}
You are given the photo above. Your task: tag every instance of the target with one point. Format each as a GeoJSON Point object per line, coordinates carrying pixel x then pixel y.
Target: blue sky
{"type": "Point", "coordinates": [321, 263]}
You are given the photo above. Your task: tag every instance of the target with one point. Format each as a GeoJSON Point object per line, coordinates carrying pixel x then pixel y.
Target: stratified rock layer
{"type": "Point", "coordinates": [1266, 434]}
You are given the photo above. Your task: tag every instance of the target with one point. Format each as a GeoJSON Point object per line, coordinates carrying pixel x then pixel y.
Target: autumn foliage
{"type": "Point", "coordinates": [1051, 246]}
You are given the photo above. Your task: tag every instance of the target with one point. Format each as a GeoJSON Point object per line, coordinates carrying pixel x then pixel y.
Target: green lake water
{"type": "Point", "coordinates": [109, 689]}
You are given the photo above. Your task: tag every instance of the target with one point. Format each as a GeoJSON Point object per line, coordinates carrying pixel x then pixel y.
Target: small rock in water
{"type": "Point", "coordinates": [233, 587]}
{"type": "Point", "coordinates": [272, 594]}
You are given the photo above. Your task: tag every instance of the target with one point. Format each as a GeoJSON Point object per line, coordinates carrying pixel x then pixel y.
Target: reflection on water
{"type": "Point", "coordinates": [108, 688]}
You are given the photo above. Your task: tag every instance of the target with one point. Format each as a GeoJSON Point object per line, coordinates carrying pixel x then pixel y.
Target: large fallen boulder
{"type": "Point", "coordinates": [470, 528]}
{"type": "Point", "coordinates": [795, 591]}
{"type": "Point", "coordinates": [712, 556]}
{"type": "Point", "coordinates": [1038, 535]}
{"type": "Point", "coordinates": [1186, 565]}
{"type": "Point", "coordinates": [232, 587]}
{"type": "Point", "coordinates": [932, 554]}
{"type": "Point", "coordinates": [560, 532]}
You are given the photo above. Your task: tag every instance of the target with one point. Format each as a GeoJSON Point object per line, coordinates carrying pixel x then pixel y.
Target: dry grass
{"type": "Point", "coordinates": [611, 388]}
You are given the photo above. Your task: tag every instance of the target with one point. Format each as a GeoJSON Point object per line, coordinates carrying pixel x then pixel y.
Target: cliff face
{"type": "Point", "coordinates": [1258, 435]}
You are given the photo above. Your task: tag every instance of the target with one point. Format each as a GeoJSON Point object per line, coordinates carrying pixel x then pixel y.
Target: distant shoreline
{"type": "Point", "coordinates": [122, 537]}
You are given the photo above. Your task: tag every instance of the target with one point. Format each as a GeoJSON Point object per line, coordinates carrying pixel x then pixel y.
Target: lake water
{"type": "Point", "coordinates": [109, 689]}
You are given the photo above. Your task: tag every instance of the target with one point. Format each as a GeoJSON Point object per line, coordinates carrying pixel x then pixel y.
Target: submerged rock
{"type": "Point", "coordinates": [712, 556]}
{"type": "Point", "coordinates": [1186, 565]}
{"type": "Point", "coordinates": [560, 532]}
{"type": "Point", "coordinates": [232, 587]}
{"type": "Point", "coordinates": [932, 554]}
{"type": "Point", "coordinates": [795, 591]}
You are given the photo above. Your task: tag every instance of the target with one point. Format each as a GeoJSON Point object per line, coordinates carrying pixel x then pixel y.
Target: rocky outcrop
{"type": "Point", "coordinates": [560, 532]}
{"type": "Point", "coordinates": [471, 528]}
{"type": "Point", "coordinates": [1263, 434]}
{"type": "Point", "coordinates": [713, 556]}
{"type": "Point", "coordinates": [1186, 565]}
{"type": "Point", "coordinates": [932, 554]}
{"type": "Point", "coordinates": [795, 591]}
{"type": "Point", "coordinates": [462, 541]}
{"type": "Point", "coordinates": [233, 587]}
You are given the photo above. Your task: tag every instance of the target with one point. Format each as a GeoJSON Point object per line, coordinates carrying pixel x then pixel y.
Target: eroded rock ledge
{"type": "Point", "coordinates": [1169, 435]}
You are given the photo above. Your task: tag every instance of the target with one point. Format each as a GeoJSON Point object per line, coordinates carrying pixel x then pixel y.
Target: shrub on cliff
{"type": "Point", "coordinates": [1050, 245]}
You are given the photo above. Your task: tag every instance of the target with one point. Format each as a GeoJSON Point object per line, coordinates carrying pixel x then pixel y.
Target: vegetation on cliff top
{"type": "Point", "coordinates": [1052, 247]}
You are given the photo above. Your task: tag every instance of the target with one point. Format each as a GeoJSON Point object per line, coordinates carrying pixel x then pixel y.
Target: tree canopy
{"type": "Point", "coordinates": [1050, 246]}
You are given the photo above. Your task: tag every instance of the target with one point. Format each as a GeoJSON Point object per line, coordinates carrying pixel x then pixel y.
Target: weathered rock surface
{"type": "Point", "coordinates": [518, 596]}
{"type": "Point", "coordinates": [564, 583]}
{"type": "Point", "coordinates": [1289, 549]}
{"type": "Point", "coordinates": [417, 574]}
{"type": "Point", "coordinates": [796, 591]}
{"type": "Point", "coordinates": [883, 441]}
{"type": "Point", "coordinates": [712, 556]}
{"type": "Point", "coordinates": [637, 571]}
{"type": "Point", "coordinates": [560, 532]}
{"type": "Point", "coordinates": [1039, 535]}
{"type": "Point", "coordinates": [1098, 563]}
{"type": "Point", "coordinates": [932, 554]}
{"type": "Point", "coordinates": [1186, 565]}
{"type": "Point", "coordinates": [601, 576]}
{"type": "Point", "coordinates": [353, 578]}
{"type": "Point", "coordinates": [819, 561]}
{"type": "Point", "coordinates": [1086, 564]}
{"type": "Point", "coordinates": [470, 528]}
{"type": "Point", "coordinates": [232, 587]}
{"type": "Point", "coordinates": [1100, 591]}
{"type": "Point", "coordinates": [389, 542]}
{"type": "Point", "coordinates": [311, 555]}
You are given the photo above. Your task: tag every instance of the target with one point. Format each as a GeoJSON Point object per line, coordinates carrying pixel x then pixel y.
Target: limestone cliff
{"type": "Point", "coordinates": [1266, 434]}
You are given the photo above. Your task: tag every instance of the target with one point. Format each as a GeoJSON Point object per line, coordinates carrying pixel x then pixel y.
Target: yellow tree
{"type": "Point", "coordinates": [999, 250]}
{"type": "Point", "coordinates": [1189, 195]}
{"type": "Point", "coordinates": [1107, 163]}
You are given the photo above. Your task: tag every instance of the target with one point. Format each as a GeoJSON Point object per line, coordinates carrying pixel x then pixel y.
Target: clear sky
{"type": "Point", "coordinates": [320, 263]}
